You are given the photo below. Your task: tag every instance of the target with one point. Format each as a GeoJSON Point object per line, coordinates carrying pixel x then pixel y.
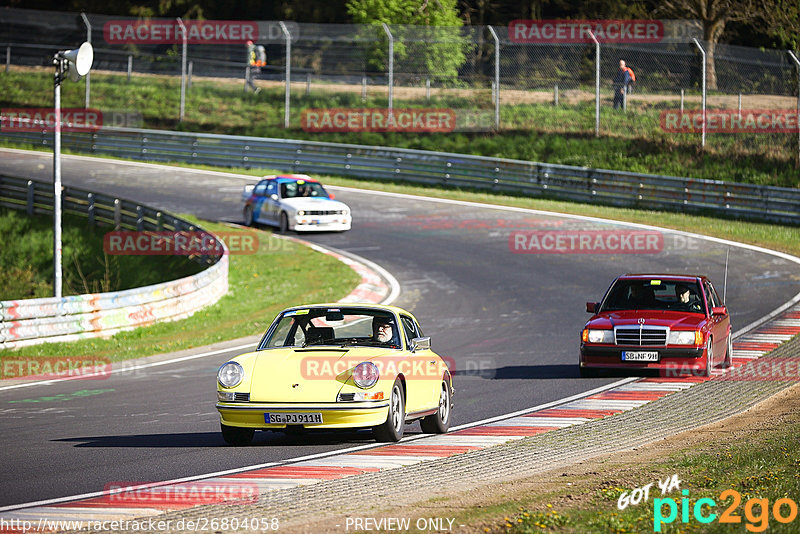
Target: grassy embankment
{"type": "Point", "coordinates": [279, 274]}
{"type": "Point", "coordinates": [530, 131]}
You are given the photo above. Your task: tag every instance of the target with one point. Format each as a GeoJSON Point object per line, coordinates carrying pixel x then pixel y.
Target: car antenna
{"type": "Point", "coordinates": [725, 283]}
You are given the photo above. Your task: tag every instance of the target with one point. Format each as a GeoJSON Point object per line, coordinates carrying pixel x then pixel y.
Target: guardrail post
{"type": "Point", "coordinates": [391, 65]}
{"type": "Point", "coordinates": [288, 75]}
{"type": "Point", "coordinates": [159, 221]}
{"type": "Point", "coordinates": [139, 219]}
{"type": "Point", "coordinates": [117, 214]}
{"type": "Point", "coordinates": [496, 78]}
{"type": "Point", "coordinates": [90, 209]}
{"type": "Point", "coordinates": [797, 63]}
{"type": "Point", "coordinates": [31, 192]}
{"type": "Point", "coordinates": [703, 128]}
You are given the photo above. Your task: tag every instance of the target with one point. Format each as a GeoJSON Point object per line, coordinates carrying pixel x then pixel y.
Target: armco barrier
{"type": "Point", "coordinates": [618, 188]}
{"type": "Point", "coordinates": [33, 321]}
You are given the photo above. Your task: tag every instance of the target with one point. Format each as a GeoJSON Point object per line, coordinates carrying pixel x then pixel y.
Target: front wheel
{"type": "Point", "coordinates": [709, 358]}
{"type": "Point", "coordinates": [234, 435]}
{"type": "Point", "coordinates": [284, 223]}
{"type": "Point", "coordinates": [439, 422]}
{"type": "Point", "coordinates": [392, 428]}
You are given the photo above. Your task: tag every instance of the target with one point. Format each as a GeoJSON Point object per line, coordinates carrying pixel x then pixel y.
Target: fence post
{"type": "Point", "coordinates": [308, 83]}
{"type": "Point", "coordinates": [797, 63]}
{"type": "Point", "coordinates": [30, 197]}
{"type": "Point", "coordinates": [288, 75]}
{"type": "Point", "coordinates": [8, 57]}
{"type": "Point", "coordinates": [391, 65]}
{"type": "Point", "coordinates": [363, 88]}
{"type": "Point", "coordinates": [496, 78]}
{"type": "Point", "coordinates": [183, 67]}
{"type": "Point", "coordinates": [703, 129]}
{"type": "Point", "coordinates": [130, 67]}
{"type": "Point", "coordinates": [428, 88]}
{"type": "Point", "coordinates": [681, 101]}
{"type": "Point", "coordinates": [90, 209]}
{"type": "Point", "coordinates": [596, 85]}
{"type": "Point", "coordinates": [189, 81]}
{"type": "Point", "coordinates": [117, 214]}
{"type": "Point", "coordinates": [88, 74]}
{"type": "Point", "coordinates": [555, 95]}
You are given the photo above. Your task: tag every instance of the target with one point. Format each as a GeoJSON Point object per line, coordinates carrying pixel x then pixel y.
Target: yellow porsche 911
{"type": "Point", "coordinates": [336, 366]}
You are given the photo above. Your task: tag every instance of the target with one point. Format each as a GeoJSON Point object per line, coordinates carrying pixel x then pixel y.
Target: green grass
{"type": "Point", "coordinates": [761, 466]}
{"type": "Point", "coordinates": [280, 274]}
{"type": "Point", "coordinates": [26, 261]}
{"type": "Point", "coordinates": [535, 132]}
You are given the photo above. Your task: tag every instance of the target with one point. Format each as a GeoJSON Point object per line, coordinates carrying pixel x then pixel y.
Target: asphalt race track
{"type": "Point", "coordinates": [509, 321]}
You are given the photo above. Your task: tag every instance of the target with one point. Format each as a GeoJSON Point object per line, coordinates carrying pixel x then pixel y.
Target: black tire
{"type": "Point", "coordinates": [234, 435]}
{"type": "Point", "coordinates": [284, 223]}
{"type": "Point", "coordinates": [439, 422]}
{"type": "Point", "coordinates": [392, 428]}
{"type": "Point", "coordinates": [249, 219]}
{"type": "Point", "coordinates": [709, 357]}
{"type": "Point", "coordinates": [728, 353]}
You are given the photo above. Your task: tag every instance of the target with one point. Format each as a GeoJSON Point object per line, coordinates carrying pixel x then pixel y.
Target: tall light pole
{"type": "Point", "coordinates": [77, 63]}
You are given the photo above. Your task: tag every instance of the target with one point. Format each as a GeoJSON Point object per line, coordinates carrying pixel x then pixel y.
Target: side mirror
{"type": "Point", "coordinates": [331, 196]}
{"type": "Point", "coordinates": [273, 196]}
{"type": "Point", "coordinates": [591, 307]}
{"type": "Point", "coordinates": [719, 310]}
{"type": "Point", "coordinates": [420, 343]}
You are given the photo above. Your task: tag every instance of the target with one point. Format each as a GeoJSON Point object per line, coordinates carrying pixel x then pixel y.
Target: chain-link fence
{"type": "Point", "coordinates": [346, 77]}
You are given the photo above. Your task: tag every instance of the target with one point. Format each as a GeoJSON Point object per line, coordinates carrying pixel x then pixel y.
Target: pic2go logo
{"type": "Point", "coordinates": [756, 511]}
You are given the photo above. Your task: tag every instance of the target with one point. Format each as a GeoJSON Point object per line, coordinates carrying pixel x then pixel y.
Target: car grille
{"type": "Point", "coordinates": [323, 212]}
{"type": "Point", "coordinates": [241, 397]}
{"type": "Point", "coordinates": [346, 397]}
{"type": "Point", "coordinates": [644, 336]}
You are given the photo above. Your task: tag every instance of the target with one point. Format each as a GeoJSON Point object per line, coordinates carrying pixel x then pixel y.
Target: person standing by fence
{"type": "Point", "coordinates": [620, 84]}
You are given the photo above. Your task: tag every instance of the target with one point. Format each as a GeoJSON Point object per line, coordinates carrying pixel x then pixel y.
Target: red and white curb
{"type": "Point", "coordinates": [246, 485]}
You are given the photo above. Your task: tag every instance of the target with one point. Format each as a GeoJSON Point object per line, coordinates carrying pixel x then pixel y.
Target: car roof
{"type": "Point", "coordinates": [291, 178]}
{"type": "Point", "coordinates": [364, 305]}
{"type": "Point", "coordinates": [662, 276]}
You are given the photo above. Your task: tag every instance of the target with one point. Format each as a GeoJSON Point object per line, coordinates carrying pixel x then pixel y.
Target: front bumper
{"type": "Point", "coordinates": [323, 226]}
{"type": "Point", "coordinates": [334, 415]}
{"type": "Point", "coordinates": [671, 362]}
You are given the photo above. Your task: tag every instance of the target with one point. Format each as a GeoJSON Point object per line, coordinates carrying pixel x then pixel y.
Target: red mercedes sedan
{"type": "Point", "coordinates": [673, 324]}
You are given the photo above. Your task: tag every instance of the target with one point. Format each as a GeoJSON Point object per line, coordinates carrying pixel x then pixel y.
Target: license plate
{"type": "Point", "coordinates": [293, 418]}
{"type": "Point", "coordinates": [635, 356]}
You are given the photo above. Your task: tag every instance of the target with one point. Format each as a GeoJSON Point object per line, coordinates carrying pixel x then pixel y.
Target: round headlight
{"type": "Point", "coordinates": [230, 374]}
{"type": "Point", "coordinates": [301, 213]}
{"type": "Point", "coordinates": [365, 374]}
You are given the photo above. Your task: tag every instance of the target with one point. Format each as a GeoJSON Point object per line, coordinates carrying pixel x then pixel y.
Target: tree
{"type": "Point", "coordinates": [435, 46]}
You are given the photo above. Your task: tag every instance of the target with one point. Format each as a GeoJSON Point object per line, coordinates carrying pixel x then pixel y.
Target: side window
{"type": "Point", "coordinates": [711, 295]}
{"type": "Point", "coordinates": [272, 188]}
{"type": "Point", "coordinates": [410, 328]}
{"type": "Point", "coordinates": [261, 188]}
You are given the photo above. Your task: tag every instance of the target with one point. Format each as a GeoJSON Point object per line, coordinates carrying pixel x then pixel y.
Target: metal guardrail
{"type": "Point", "coordinates": [562, 182]}
{"type": "Point", "coordinates": [33, 321]}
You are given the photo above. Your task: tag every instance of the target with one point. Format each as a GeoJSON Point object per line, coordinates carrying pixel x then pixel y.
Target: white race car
{"type": "Point", "coordinates": [294, 202]}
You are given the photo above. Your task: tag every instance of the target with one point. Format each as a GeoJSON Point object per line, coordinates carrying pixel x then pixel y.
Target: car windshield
{"type": "Point", "coordinates": [301, 188]}
{"type": "Point", "coordinates": [340, 326]}
{"type": "Point", "coordinates": [654, 294]}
